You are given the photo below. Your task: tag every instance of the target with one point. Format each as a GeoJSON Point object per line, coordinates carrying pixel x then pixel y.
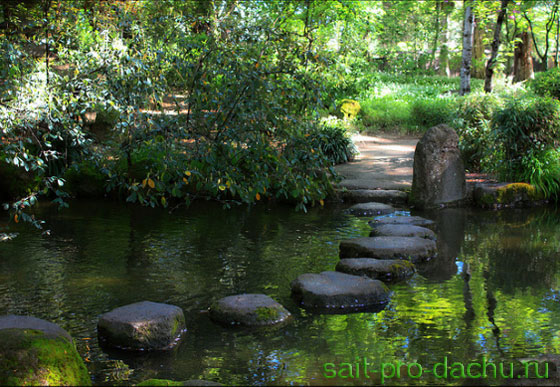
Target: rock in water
{"type": "Point", "coordinates": [370, 209]}
{"type": "Point", "coordinates": [386, 270]}
{"type": "Point", "coordinates": [412, 249]}
{"type": "Point", "coordinates": [248, 310]}
{"type": "Point", "coordinates": [403, 230]}
{"type": "Point", "coordinates": [439, 174]}
{"type": "Point", "coordinates": [334, 292]}
{"type": "Point", "coordinates": [37, 352]}
{"type": "Point", "coordinates": [410, 220]}
{"type": "Point", "coordinates": [142, 326]}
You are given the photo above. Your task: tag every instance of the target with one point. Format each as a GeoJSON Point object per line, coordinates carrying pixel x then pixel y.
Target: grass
{"type": "Point", "coordinates": [409, 104]}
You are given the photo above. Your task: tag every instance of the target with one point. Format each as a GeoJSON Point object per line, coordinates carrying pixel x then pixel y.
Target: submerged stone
{"type": "Point", "coordinates": [370, 209]}
{"type": "Point", "coordinates": [410, 220]}
{"type": "Point", "coordinates": [142, 326]}
{"type": "Point", "coordinates": [403, 230]}
{"type": "Point", "coordinates": [37, 352]}
{"type": "Point", "coordinates": [335, 292]}
{"type": "Point", "coordinates": [374, 195]}
{"type": "Point", "coordinates": [166, 382]}
{"type": "Point", "coordinates": [382, 269]}
{"type": "Point", "coordinates": [410, 248]}
{"type": "Point", "coordinates": [248, 310]}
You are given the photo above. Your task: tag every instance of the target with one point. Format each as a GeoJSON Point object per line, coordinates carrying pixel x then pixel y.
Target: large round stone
{"type": "Point", "coordinates": [37, 352]}
{"type": "Point", "coordinates": [387, 270]}
{"type": "Point", "coordinates": [410, 220]}
{"type": "Point", "coordinates": [374, 195]}
{"type": "Point", "coordinates": [370, 209]}
{"type": "Point", "coordinates": [409, 248]}
{"type": "Point", "coordinates": [403, 230]}
{"type": "Point", "coordinates": [335, 292]}
{"type": "Point", "coordinates": [142, 326]}
{"type": "Point", "coordinates": [248, 310]}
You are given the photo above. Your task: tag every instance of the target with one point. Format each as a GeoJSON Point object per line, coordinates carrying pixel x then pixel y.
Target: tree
{"type": "Point", "coordinates": [478, 49]}
{"type": "Point", "coordinates": [468, 32]}
{"type": "Point", "coordinates": [551, 9]}
{"type": "Point", "coordinates": [495, 46]}
{"type": "Point", "coordinates": [522, 58]}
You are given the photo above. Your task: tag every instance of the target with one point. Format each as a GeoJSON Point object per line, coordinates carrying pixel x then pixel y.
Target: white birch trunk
{"type": "Point", "coordinates": [468, 33]}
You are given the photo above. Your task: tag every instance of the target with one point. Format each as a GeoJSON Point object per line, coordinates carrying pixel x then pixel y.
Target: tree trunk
{"type": "Point", "coordinates": [522, 59]}
{"type": "Point", "coordinates": [444, 50]}
{"type": "Point", "coordinates": [478, 50]}
{"type": "Point", "coordinates": [468, 32]}
{"type": "Point", "coordinates": [436, 38]}
{"type": "Point", "coordinates": [495, 47]}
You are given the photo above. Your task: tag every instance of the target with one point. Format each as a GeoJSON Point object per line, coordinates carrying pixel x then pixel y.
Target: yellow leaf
{"type": "Point", "coordinates": [322, 202]}
{"type": "Point", "coordinates": [257, 65]}
{"type": "Point", "coordinates": [222, 187]}
{"type": "Point", "coordinates": [258, 196]}
{"type": "Point", "coordinates": [185, 180]}
{"type": "Point", "coordinates": [16, 218]}
{"type": "Point", "coordinates": [163, 201]}
{"type": "Point", "coordinates": [144, 182]}
{"type": "Point", "coordinates": [188, 173]}
{"type": "Point", "coordinates": [264, 190]}
{"type": "Point", "coordinates": [151, 183]}
{"type": "Point", "coordinates": [228, 184]}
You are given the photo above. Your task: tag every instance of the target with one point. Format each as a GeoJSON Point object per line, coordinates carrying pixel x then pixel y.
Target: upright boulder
{"type": "Point", "coordinates": [439, 173]}
{"type": "Point", "coordinates": [37, 352]}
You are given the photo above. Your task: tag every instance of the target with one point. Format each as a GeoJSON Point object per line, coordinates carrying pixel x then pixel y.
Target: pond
{"type": "Point", "coordinates": [492, 292]}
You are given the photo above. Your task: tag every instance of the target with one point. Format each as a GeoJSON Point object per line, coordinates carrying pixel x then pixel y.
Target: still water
{"type": "Point", "coordinates": [493, 291]}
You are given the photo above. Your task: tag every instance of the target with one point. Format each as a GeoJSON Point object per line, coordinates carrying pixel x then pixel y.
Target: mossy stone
{"type": "Point", "coordinates": [32, 357]}
{"type": "Point", "coordinates": [249, 310]}
{"type": "Point", "coordinates": [350, 108]}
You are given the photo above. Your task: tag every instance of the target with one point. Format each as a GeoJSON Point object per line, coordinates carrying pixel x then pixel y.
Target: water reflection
{"type": "Point", "coordinates": [493, 289]}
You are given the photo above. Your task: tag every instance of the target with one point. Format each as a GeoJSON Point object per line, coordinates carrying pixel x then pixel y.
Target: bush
{"type": "Point", "coordinates": [547, 83]}
{"type": "Point", "coordinates": [541, 168]}
{"type": "Point", "coordinates": [332, 139]}
{"type": "Point", "coordinates": [524, 125]}
{"type": "Point", "coordinates": [385, 114]}
{"type": "Point", "coordinates": [473, 116]}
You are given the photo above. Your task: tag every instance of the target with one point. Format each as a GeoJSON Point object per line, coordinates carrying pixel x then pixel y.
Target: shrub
{"type": "Point", "coordinates": [332, 139]}
{"type": "Point", "coordinates": [385, 114]}
{"type": "Point", "coordinates": [541, 168]}
{"type": "Point", "coordinates": [473, 116]}
{"type": "Point", "coordinates": [547, 83]}
{"type": "Point", "coordinates": [349, 108]}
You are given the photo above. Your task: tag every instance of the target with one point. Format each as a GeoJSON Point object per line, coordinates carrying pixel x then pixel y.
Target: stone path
{"type": "Point", "coordinates": [383, 163]}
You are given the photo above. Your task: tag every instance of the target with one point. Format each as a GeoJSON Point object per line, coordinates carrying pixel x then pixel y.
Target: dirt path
{"type": "Point", "coordinates": [384, 162]}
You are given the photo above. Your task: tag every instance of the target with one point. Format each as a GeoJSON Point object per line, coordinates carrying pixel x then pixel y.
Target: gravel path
{"type": "Point", "coordinates": [384, 162]}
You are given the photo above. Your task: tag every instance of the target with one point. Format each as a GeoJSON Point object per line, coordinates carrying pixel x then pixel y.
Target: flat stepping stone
{"type": "Point", "coordinates": [166, 382]}
{"type": "Point", "coordinates": [403, 230]}
{"type": "Point", "coordinates": [35, 352]}
{"type": "Point", "coordinates": [387, 270]}
{"type": "Point", "coordinates": [142, 326]}
{"type": "Point", "coordinates": [248, 310]}
{"type": "Point", "coordinates": [370, 209]}
{"type": "Point", "coordinates": [410, 248]}
{"type": "Point", "coordinates": [374, 195]}
{"type": "Point", "coordinates": [410, 220]}
{"type": "Point", "coordinates": [335, 292]}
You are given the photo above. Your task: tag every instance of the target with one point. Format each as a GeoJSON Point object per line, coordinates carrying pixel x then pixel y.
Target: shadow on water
{"type": "Point", "coordinates": [492, 291]}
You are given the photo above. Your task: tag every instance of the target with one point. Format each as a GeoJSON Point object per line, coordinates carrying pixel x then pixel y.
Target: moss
{"type": "Point", "coordinates": [266, 314]}
{"type": "Point", "coordinates": [160, 382]}
{"type": "Point", "coordinates": [515, 191]}
{"type": "Point", "coordinates": [349, 108]}
{"type": "Point", "coordinates": [28, 357]}
{"type": "Point", "coordinates": [488, 199]}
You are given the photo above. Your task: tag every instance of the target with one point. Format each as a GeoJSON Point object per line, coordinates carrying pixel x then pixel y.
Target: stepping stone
{"type": "Point", "coordinates": [410, 248]}
{"type": "Point", "coordinates": [142, 326]}
{"type": "Point", "coordinates": [334, 292]}
{"type": "Point", "coordinates": [392, 270]}
{"type": "Point", "coordinates": [374, 195]}
{"type": "Point", "coordinates": [248, 310]}
{"type": "Point", "coordinates": [370, 209]}
{"type": "Point", "coordinates": [38, 353]}
{"type": "Point", "coordinates": [410, 220]}
{"type": "Point", "coordinates": [403, 230]}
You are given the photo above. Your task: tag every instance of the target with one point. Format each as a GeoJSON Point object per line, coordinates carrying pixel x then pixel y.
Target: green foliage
{"type": "Point", "coordinates": [426, 113]}
{"type": "Point", "coordinates": [349, 108]}
{"type": "Point", "coordinates": [472, 122]}
{"type": "Point", "coordinates": [385, 114]}
{"type": "Point", "coordinates": [547, 83]}
{"type": "Point", "coordinates": [541, 168]}
{"type": "Point", "coordinates": [332, 139]}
